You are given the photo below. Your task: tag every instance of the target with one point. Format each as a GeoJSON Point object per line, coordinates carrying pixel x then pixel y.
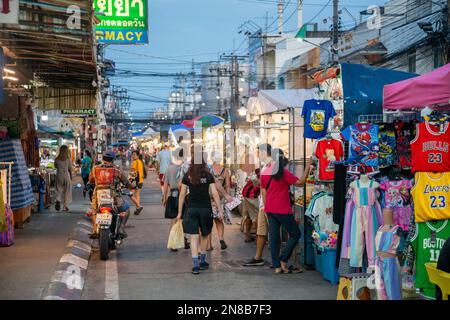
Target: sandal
{"type": "Point", "coordinates": [249, 240]}
{"type": "Point", "coordinates": [294, 270]}
{"type": "Point", "coordinates": [66, 209]}
{"type": "Point", "coordinates": [280, 271]}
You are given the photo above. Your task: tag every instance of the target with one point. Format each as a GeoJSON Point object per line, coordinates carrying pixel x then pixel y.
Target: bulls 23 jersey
{"type": "Point", "coordinates": [431, 196]}
{"type": "Point", "coordinates": [430, 149]}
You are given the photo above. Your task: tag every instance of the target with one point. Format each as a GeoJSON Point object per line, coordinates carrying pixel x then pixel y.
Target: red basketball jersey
{"type": "Point", "coordinates": [430, 148]}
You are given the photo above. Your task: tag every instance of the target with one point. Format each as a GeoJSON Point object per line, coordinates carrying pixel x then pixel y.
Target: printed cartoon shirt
{"type": "Point", "coordinates": [404, 132]}
{"type": "Point", "coordinates": [363, 144]}
{"type": "Point", "coordinates": [317, 114]}
{"type": "Point", "coordinates": [396, 193]}
{"type": "Point", "coordinates": [327, 152]}
{"type": "Point", "coordinates": [387, 156]}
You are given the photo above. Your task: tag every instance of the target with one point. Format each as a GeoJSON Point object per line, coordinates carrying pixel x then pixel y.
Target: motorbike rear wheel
{"type": "Point", "coordinates": [104, 244]}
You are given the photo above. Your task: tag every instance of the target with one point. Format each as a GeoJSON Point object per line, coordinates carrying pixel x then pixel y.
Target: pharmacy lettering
{"type": "Point", "coordinates": [122, 21]}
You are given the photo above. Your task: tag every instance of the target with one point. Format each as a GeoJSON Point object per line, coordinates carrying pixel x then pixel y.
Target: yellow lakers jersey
{"type": "Point", "coordinates": [431, 196]}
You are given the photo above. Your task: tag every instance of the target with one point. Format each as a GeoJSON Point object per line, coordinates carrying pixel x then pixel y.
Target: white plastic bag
{"type": "Point", "coordinates": [176, 236]}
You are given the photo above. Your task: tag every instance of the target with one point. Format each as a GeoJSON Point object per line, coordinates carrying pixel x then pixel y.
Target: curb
{"type": "Point", "coordinates": [69, 277]}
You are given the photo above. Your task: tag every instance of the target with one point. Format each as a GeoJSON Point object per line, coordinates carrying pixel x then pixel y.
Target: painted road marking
{"type": "Point", "coordinates": [112, 278]}
{"type": "Point", "coordinates": [53, 298]}
{"type": "Point", "coordinates": [79, 245]}
{"type": "Point", "coordinates": [73, 259]}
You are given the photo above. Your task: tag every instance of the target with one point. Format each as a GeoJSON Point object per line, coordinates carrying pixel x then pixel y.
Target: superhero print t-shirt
{"type": "Point", "coordinates": [387, 143]}
{"type": "Point", "coordinates": [404, 132]}
{"type": "Point", "coordinates": [317, 114]}
{"type": "Point", "coordinates": [363, 144]}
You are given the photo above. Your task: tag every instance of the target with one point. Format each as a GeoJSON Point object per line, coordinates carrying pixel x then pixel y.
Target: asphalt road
{"type": "Point", "coordinates": [143, 268]}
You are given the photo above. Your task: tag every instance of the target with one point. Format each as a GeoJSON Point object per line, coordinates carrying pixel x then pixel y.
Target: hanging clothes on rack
{"type": "Point", "coordinates": [317, 114]}
{"type": "Point", "coordinates": [363, 218]}
{"type": "Point", "coordinates": [327, 151]}
{"type": "Point", "coordinates": [405, 133]}
{"type": "Point", "coordinates": [339, 192]}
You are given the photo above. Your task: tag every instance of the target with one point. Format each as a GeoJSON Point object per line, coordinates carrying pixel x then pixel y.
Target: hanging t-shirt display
{"type": "Point", "coordinates": [430, 148]}
{"type": "Point", "coordinates": [431, 195]}
{"type": "Point", "coordinates": [327, 152]}
{"type": "Point", "coordinates": [398, 198]}
{"type": "Point", "coordinates": [387, 143]}
{"type": "Point", "coordinates": [427, 242]}
{"type": "Point", "coordinates": [317, 114]}
{"type": "Point", "coordinates": [363, 144]}
{"type": "Point", "coordinates": [405, 133]}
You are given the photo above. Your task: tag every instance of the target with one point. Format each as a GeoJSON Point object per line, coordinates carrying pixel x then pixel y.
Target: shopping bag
{"type": "Point", "coordinates": [176, 236]}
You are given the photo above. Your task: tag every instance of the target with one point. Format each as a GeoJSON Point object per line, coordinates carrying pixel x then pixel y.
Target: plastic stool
{"type": "Point", "coordinates": [439, 278]}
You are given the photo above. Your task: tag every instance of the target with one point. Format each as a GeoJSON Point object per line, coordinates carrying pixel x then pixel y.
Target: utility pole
{"type": "Point", "coordinates": [334, 50]}
{"type": "Point", "coordinates": [193, 88]}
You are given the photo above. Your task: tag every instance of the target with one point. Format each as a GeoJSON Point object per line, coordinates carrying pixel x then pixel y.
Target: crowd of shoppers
{"type": "Point", "coordinates": [203, 190]}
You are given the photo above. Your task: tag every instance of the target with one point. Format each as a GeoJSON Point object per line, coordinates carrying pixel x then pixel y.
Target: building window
{"type": "Point", "coordinates": [412, 61]}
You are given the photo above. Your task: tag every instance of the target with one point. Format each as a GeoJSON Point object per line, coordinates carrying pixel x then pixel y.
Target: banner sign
{"type": "Point", "coordinates": [79, 113]}
{"type": "Point", "coordinates": [121, 21]}
{"type": "Point", "coordinates": [9, 11]}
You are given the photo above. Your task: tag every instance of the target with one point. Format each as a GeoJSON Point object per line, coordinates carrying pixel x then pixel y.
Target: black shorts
{"type": "Point", "coordinates": [198, 219]}
{"type": "Point", "coordinates": [139, 186]}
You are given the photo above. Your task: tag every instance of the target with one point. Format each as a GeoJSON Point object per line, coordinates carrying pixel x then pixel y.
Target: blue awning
{"type": "Point", "coordinates": [363, 89]}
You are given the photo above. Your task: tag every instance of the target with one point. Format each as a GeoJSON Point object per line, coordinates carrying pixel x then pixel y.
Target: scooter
{"type": "Point", "coordinates": [112, 214]}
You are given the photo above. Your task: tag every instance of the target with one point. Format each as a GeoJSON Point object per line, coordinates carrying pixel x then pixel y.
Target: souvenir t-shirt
{"type": "Point", "coordinates": [430, 149]}
{"type": "Point", "coordinates": [427, 242]}
{"type": "Point", "coordinates": [328, 151]}
{"type": "Point", "coordinates": [277, 196]}
{"type": "Point", "coordinates": [317, 114]}
{"type": "Point", "coordinates": [431, 195]}
{"type": "Point", "coordinates": [363, 144]}
{"type": "Point", "coordinates": [396, 193]}
{"type": "Point", "coordinates": [404, 132]}
{"type": "Point", "coordinates": [387, 156]}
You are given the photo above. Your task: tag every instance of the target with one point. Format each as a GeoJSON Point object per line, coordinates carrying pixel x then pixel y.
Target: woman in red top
{"type": "Point", "coordinates": [275, 182]}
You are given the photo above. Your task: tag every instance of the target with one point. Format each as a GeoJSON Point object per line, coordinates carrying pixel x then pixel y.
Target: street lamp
{"type": "Point", "coordinates": [242, 111]}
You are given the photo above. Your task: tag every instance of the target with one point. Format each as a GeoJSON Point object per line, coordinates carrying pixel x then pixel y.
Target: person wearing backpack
{"type": "Point", "coordinates": [275, 182]}
{"type": "Point", "coordinates": [138, 167]}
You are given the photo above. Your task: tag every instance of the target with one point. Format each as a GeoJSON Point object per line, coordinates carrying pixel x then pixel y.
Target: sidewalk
{"type": "Point", "coordinates": [29, 264]}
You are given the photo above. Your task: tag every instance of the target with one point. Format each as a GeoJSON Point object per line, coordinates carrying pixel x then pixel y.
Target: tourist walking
{"type": "Point", "coordinates": [223, 186]}
{"type": "Point", "coordinates": [171, 189]}
{"type": "Point", "coordinates": [199, 217]}
{"type": "Point", "coordinates": [276, 180]}
{"type": "Point", "coordinates": [86, 167]}
{"type": "Point", "coordinates": [163, 159]}
{"type": "Point", "coordinates": [137, 167]}
{"type": "Point", "coordinates": [63, 166]}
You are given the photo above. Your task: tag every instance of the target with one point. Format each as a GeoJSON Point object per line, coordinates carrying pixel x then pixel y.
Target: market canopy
{"type": "Point", "coordinates": [269, 101]}
{"type": "Point", "coordinates": [207, 121]}
{"type": "Point", "coordinates": [363, 89]}
{"type": "Point", "coordinates": [430, 89]}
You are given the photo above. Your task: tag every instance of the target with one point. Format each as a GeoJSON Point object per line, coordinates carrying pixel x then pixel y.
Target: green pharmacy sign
{"type": "Point", "coordinates": [122, 21]}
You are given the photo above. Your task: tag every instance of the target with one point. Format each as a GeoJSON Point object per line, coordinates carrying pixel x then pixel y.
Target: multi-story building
{"type": "Point", "coordinates": [420, 26]}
